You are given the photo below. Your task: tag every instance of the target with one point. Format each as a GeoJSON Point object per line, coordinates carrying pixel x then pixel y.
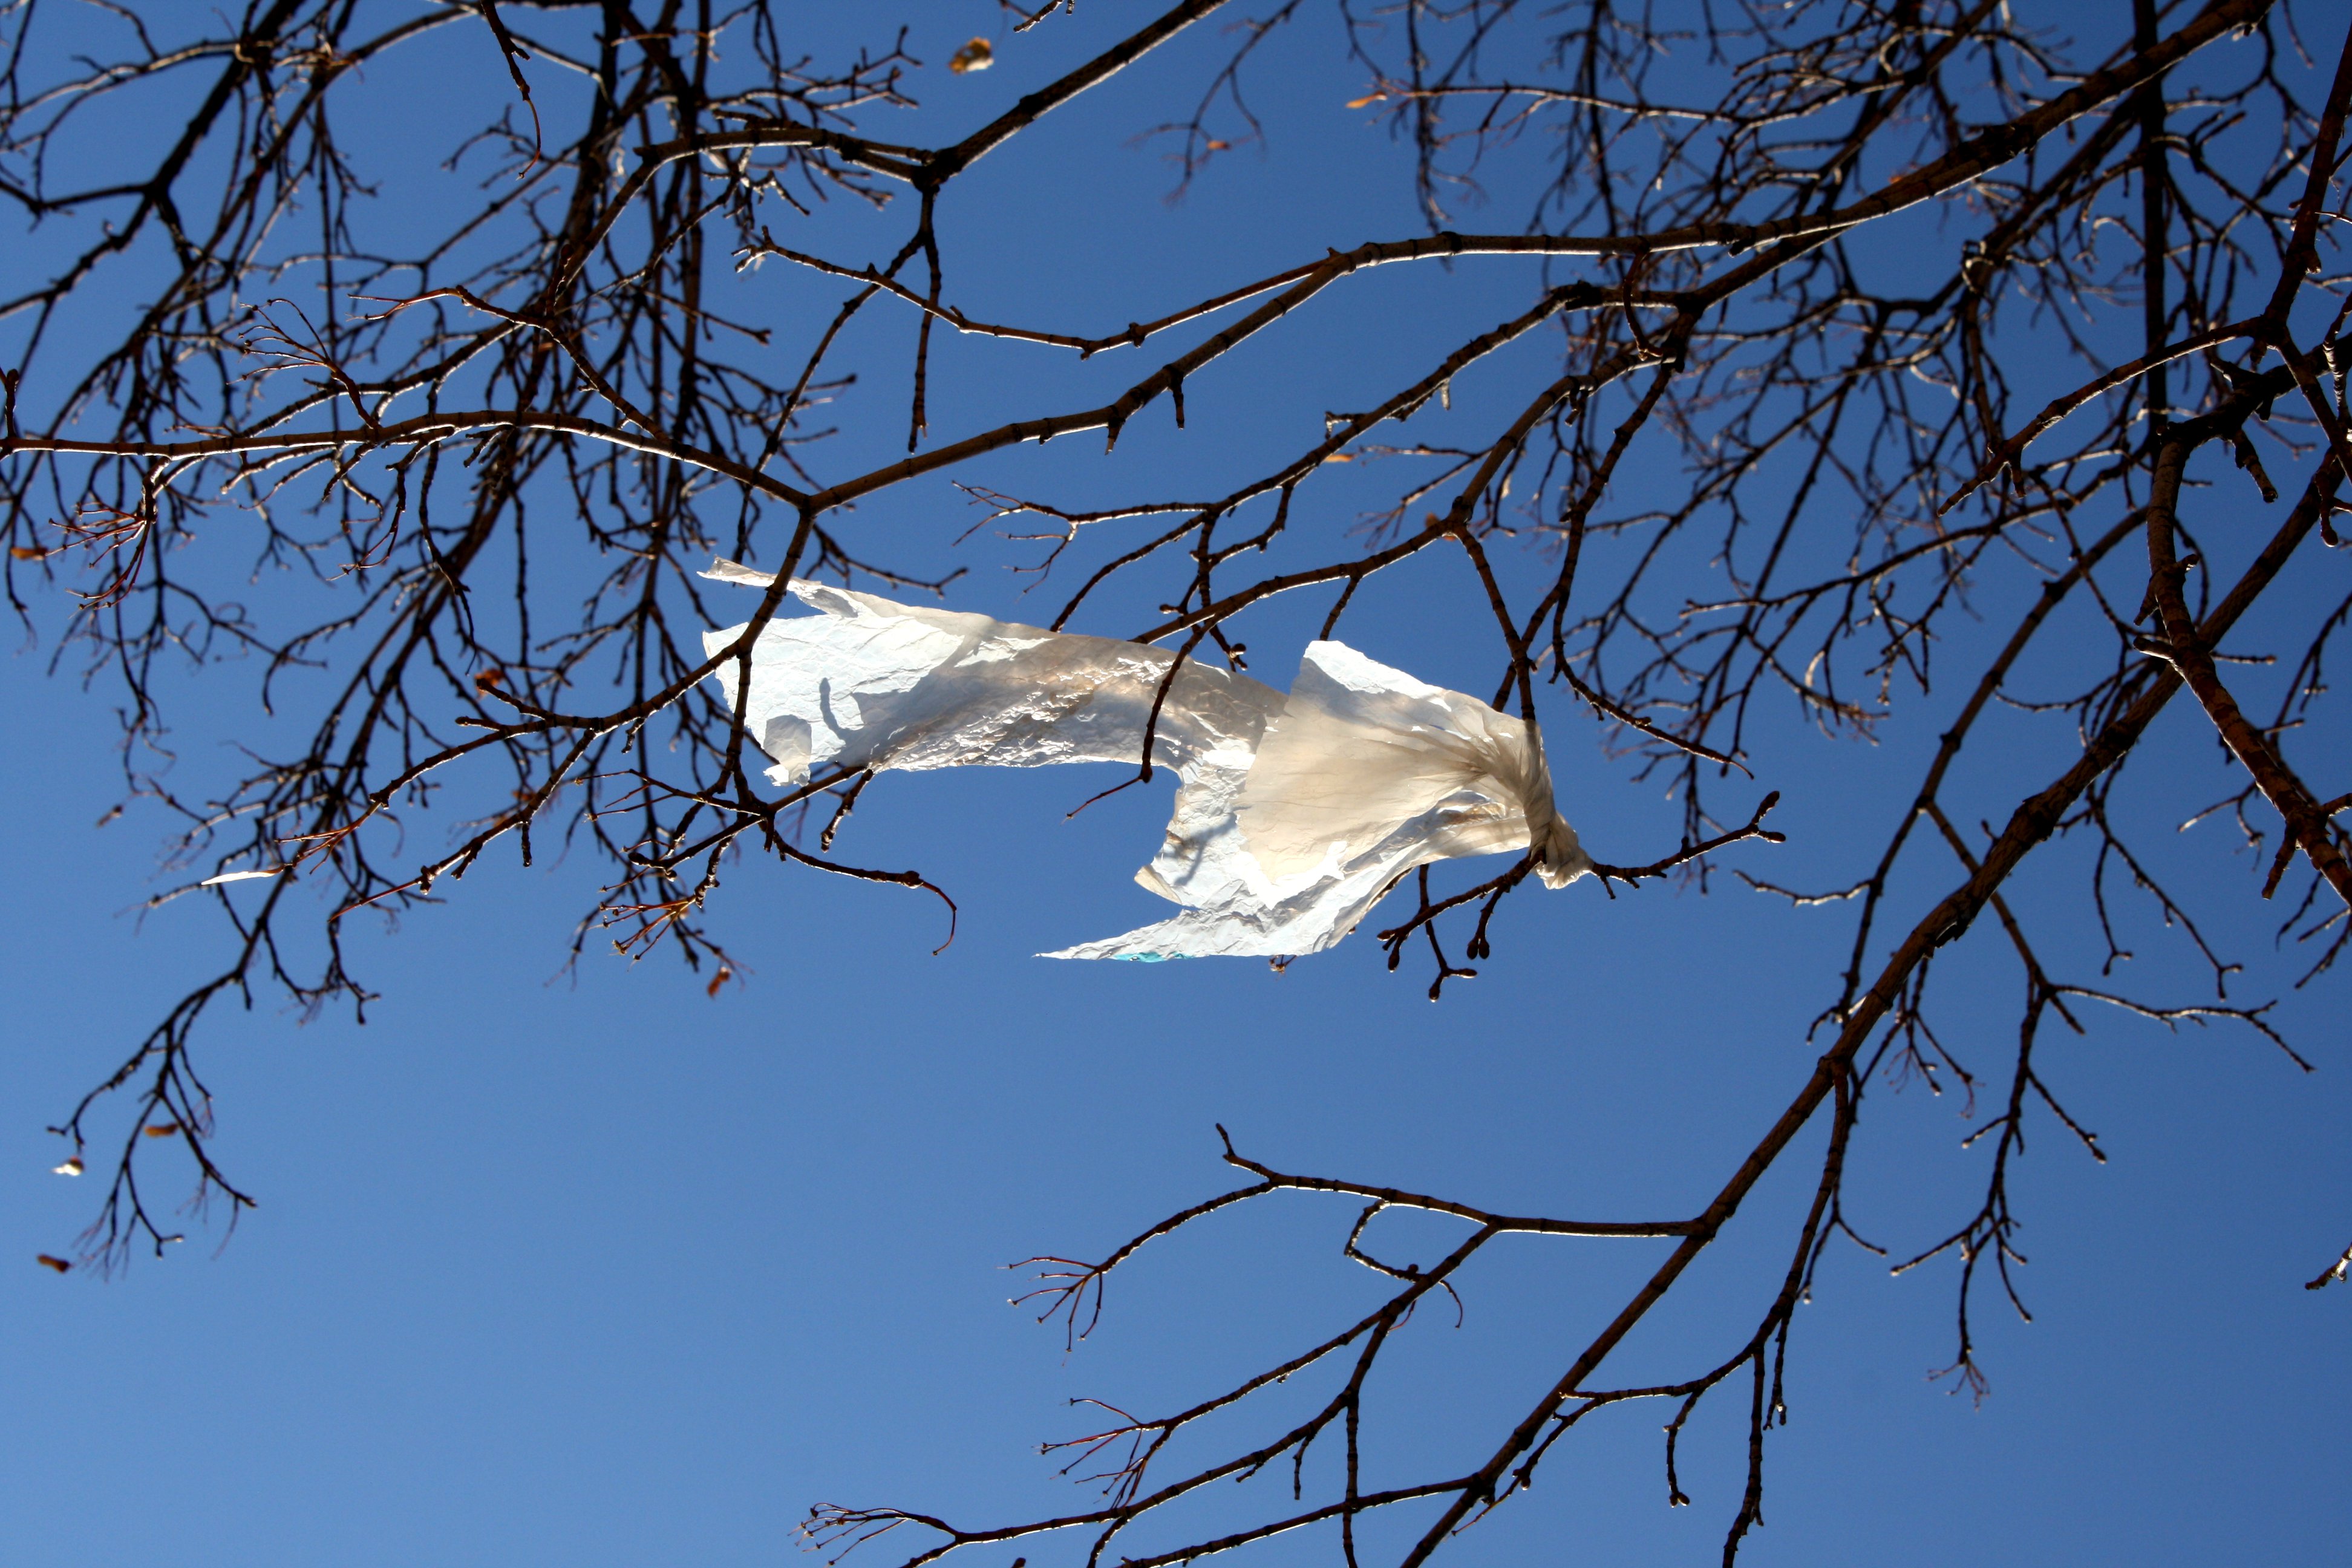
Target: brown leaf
{"type": "Point", "coordinates": [59, 1264]}
{"type": "Point", "coordinates": [487, 678]}
{"type": "Point", "coordinates": [72, 1167]}
{"type": "Point", "coordinates": [975, 55]}
{"type": "Point", "coordinates": [27, 552]}
{"type": "Point", "coordinates": [163, 1130]}
{"type": "Point", "coordinates": [722, 978]}
{"type": "Point", "coordinates": [1367, 98]}
{"type": "Point", "coordinates": [1217, 146]}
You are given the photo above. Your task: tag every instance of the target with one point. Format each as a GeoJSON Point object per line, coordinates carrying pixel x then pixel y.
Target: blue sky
{"type": "Point", "coordinates": [589, 1269]}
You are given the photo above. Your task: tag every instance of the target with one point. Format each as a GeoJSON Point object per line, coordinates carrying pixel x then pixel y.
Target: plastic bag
{"type": "Point", "coordinates": [1294, 814]}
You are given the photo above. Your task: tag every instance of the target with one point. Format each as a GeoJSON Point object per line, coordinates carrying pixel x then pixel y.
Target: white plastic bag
{"type": "Point", "coordinates": [1293, 814]}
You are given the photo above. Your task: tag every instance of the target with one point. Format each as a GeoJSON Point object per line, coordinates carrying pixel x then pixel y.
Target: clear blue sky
{"type": "Point", "coordinates": [596, 1270]}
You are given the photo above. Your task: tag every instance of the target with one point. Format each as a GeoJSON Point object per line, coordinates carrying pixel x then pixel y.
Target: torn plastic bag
{"type": "Point", "coordinates": [872, 684]}
{"type": "Point", "coordinates": [1293, 814]}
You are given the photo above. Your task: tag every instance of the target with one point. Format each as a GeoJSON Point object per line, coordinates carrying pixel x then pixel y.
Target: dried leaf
{"type": "Point", "coordinates": [486, 679]}
{"type": "Point", "coordinates": [59, 1264]}
{"type": "Point", "coordinates": [1367, 98]}
{"type": "Point", "coordinates": [163, 1130]}
{"type": "Point", "coordinates": [1339, 458]}
{"type": "Point", "coordinates": [722, 978]}
{"type": "Point", "coordinates": [28, 553]}
{"type": "Point", "coordinates": [1217, 146]}
{"type": "Point", "coordinates": [70, 1168]}
{"type": "Point", "coordinates": [975, 55]}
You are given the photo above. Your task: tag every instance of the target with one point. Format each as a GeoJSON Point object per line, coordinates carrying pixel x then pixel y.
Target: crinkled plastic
{"type": "Point", "coordinates": [1294, 813]}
